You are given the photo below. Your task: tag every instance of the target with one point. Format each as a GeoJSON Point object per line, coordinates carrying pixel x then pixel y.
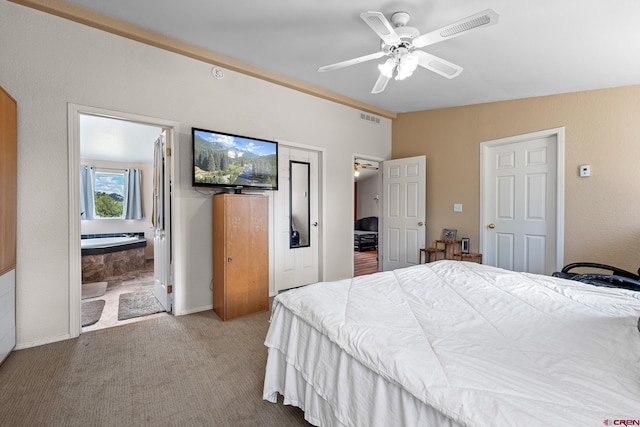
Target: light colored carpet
{"type": "Point", "coordinates": [93, 290]}
{"type": "Point", "coordinates": [192, 370]}
{"type": "Point", "coordinates": [137, 304]}
{"type": "Point", "coordinates": [91, 311]}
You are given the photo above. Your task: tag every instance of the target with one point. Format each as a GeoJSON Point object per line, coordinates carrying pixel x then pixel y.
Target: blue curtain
{"type": "Point", "coordinates": [133, 194]}
{"type": "Point", "coordinates": [86, 192]}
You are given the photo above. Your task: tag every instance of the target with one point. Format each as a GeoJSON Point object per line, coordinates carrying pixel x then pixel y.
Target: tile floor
{"type": "Point", "coordinates": [130, 282]}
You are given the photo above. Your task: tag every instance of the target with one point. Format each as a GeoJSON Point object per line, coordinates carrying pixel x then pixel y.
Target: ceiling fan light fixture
{"type": "Point", "coordinates": [407, 65]}
{"type": "Point", "coordinates": [402, 44]}
{"type": "Point", "coordinates": [387, 68]}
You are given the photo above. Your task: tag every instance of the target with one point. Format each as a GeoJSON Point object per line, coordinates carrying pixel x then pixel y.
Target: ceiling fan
{"type": "Point", "coordinates": [401, 44]}
{"type": "Point", "coordinates": [357, 165]}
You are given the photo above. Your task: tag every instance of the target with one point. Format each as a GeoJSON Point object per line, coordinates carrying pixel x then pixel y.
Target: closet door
{"type": "Point", "coordinates": [247, 287]}
{"type": "Point", "coordinates": [240, 255]}
{"type": "Point", "coordinates": [8, 199]}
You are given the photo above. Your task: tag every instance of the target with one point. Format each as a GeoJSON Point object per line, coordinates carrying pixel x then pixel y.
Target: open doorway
{"type": "Point", "coordinates": [123, 226]}
{"type": "Point", "coordinates": [367, 187]}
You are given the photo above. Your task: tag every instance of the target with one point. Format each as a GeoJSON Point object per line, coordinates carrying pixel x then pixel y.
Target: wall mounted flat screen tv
{"type": "Point", "coordinates": [234, 161]}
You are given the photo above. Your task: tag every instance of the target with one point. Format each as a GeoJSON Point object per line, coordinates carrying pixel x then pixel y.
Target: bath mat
{"type": "Point", "coordinates": [137, 304]}
{"type": "Point", "coordinates": [91, 311]}
{"type": "Point", "coordinates": [92, 290]}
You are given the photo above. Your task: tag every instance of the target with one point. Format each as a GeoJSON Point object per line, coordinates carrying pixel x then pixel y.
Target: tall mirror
{"type": "Point", "coordinates": [300, 220]}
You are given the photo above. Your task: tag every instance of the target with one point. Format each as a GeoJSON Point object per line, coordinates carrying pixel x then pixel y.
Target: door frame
{"type": "Point", "coordinates": [75, 258]}
{"type": "Point", "coordinates": [485, 146]}
{"type": "Point", "coordinates": [380, 206]}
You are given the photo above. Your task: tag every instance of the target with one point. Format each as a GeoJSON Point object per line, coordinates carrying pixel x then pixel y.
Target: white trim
{"type": "Point", "coordinates": [200, 309]}
{"type": "Point", "coordinates": [75, 262]}
{"type": "Point", "coordinates": [559, 198]}
{"type": "Point", "coordinates": [368, 157]}
{"type": "Point", "coordinates": [485, 146]}
{"type": "Point", "coordinates": [48, 340]}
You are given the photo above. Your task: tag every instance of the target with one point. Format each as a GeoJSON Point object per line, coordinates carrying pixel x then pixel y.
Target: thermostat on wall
{"type": "Point", "coordinates": [585, 170]}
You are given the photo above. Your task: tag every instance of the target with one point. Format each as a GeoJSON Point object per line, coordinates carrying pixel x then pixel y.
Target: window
{"type": "Point", "coordinates": [109, 193]}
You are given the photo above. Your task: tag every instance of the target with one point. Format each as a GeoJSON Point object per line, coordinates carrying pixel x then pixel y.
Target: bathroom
{"type": "Point", "coordinates": [117, 253]}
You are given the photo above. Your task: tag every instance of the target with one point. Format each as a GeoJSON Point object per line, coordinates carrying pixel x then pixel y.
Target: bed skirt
{"type": "Point", "coordinates": [316, 375]}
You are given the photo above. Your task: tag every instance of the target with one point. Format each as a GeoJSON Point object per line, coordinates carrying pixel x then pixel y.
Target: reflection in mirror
{"type": "Point", "coordinates": [299, 203]}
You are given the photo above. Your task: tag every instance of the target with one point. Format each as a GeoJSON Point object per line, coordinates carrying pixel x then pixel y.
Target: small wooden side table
{"type": "Point", "coordinates": [429, 254]}
{"type": "Point", "coordinates": [469, 257]}
{"type": "Point", "coordinates": [449, 247]}
{"type": "Point", "coordinates": [445, 247]}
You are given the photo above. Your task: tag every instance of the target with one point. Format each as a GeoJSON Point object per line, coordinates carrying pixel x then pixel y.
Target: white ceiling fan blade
{"type": "Point", "coordinates": [353, 61]}
{"type": "Point", "coordinates": [381, 83]}
{"type": "Point", "coordinates": [438, 65]}
{"type": "Point", "coordinates": [483, 19]}
{"type": "Point", "coordinates": [381, 26]}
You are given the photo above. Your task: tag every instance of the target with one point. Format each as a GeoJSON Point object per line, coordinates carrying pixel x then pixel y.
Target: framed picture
{"type": "Point", "coordinates": [464, 245]}
{"type": "Point", "coordinates": [449, 234]}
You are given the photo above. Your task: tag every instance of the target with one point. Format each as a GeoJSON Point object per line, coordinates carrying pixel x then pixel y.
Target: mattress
{"type": "Point", "coordinates": [456, 343]}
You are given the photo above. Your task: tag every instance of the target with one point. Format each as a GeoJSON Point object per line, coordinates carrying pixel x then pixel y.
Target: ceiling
{"type": "Point", "coordinates": [366, 169]}
{"type": "Point", "coordinates": [537, 48]}
{"type": "Point", "coordinates": [114, 140]}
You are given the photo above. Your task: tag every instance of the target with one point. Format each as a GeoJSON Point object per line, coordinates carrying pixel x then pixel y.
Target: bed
{"type": "Point", "coordinates": [456, 343]}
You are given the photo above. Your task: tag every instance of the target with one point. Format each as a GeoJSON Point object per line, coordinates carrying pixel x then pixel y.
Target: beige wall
{"type": "Point", "coordinates": [602, 212]}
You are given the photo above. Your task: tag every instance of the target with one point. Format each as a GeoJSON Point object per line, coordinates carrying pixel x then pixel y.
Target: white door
{"type": "Point", "coordinates": [296, 266]}
{"type": "Point", "coordinates": [520, 203]}
{"type": "Point", "coordinates": [403, 219]}
{"type": "Point", "coordinates": [162, 224]}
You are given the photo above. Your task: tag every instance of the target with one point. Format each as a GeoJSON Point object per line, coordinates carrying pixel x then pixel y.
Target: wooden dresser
{"type": "Point", "coordinates": [240, 254]}
{"type": "Point", "coordinates": [8, 201]}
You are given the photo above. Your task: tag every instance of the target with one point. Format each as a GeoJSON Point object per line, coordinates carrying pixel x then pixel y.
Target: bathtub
{"type": "Point", "coordinates": [106, 242]}
{"type": "Point", "coordinates": [107, 245]}
{"type": "Point", "coordinates": [111, 256]}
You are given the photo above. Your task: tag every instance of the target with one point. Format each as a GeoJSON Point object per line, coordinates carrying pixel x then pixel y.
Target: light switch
{"type": "Point", "coordinates": [585, 170]}
{"type": "Point", "coordinates": [457, 207]}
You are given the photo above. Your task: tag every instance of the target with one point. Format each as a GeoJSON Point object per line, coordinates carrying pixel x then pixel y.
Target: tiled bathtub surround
{"type": "Point", "coordinates": [96, 268]}
{"type": "Point", "coordinates": [119, 260]}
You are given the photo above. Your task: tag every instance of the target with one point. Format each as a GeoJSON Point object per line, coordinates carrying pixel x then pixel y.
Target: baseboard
{"type": "Point", "coordinates": [37, 343]}
{"type": "Point", "coordinates": [194, 310]}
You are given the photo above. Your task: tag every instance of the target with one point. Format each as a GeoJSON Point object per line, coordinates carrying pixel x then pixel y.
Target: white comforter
{"type": "Point", "coordinates": [485, 346]}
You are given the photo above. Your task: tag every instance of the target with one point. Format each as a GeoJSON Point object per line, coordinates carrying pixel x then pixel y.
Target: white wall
{"type": "Point", "coordinates": [368, 190]}
{"type": "Point", "coordinates": [48, 62]}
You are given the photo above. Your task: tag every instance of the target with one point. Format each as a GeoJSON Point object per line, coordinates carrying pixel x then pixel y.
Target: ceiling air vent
{"type": "Point", "coordinates": [370, 118]}
{"type": "Point", "coordinates": [466, 26]}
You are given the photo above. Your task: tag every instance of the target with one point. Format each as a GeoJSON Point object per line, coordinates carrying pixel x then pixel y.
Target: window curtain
{"type": "Point", "coordinates": [157, 218]}
{"type": "Point", "coordinates": [86, 192]}
{"type": "Point", "coordinates": [133, 194]}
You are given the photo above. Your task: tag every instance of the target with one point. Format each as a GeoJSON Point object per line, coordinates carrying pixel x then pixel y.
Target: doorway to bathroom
{"type": "Point", "coordinates": [123, 193]}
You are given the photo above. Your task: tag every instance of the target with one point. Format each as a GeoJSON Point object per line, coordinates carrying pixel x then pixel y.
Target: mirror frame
{"type": "Point", "coordinates": [306, 217]}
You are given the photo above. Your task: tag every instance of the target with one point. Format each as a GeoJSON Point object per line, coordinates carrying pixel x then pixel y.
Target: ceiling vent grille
{"type": "Point", "coordinates": [466, 26]}
{"type": "Point", "coordinates": [370, 118]}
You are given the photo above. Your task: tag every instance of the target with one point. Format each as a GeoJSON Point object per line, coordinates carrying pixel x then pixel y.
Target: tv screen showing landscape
{"type": "Point", "coordinates": [227, 160]}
